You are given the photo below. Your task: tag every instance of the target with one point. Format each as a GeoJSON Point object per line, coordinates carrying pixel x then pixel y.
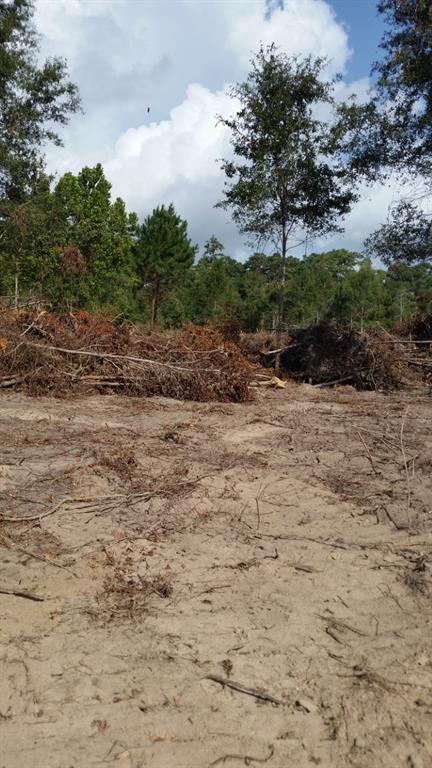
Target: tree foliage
{"type": "Point", "coordinates": [406, 237]}
{"type": "Point", "coordinates": [405, 81]}
{"type": "Point", "coordinates": [70, 245]}
{"type": "Point", "coordinates": [34, 98]}
{"type": "Point", "coordinates": [285, 178]}
{"type": "Point", "coordinates": [163, 254]}
{"type": "Point", "coordinates": [393, 130]}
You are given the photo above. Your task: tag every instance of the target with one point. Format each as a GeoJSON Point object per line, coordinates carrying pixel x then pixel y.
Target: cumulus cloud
{"type": "Point", "coordinates": [297, 27]}
{"type": "Point", "coordinates": [128, 56]}
{"type": "Point", "coordinates": [176, 160]}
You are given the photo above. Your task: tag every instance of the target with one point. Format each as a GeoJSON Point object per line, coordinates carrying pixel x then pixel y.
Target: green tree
{"type": "Point", "coordinates": [393, 130]}
{"type": "Point", "coordinates": [405, 238]}
{"type": "Point", "coordinates": [163, 255]}
{"type": "Point", "coordinates": [365, 288]}
{"type": "Point", "coordinates": [27, 238]}
{"type": "Point", "coordinates": [34, 97]}
{"type": "Point", "coordinates": [213, 285]}
{"type": "Point", "coordinates": [102, 233]}
{"type": "Point", "coordinates": [286, 179]}
{"type": "Point", "coordinates": [405, 81]}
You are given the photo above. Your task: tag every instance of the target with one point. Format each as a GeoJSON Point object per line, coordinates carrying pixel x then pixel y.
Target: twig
{"type": "Point", "coordinates": [108, 356]}
{"type": "Point", "coordinates": [369, 454]}
{"type": "Point", "coordinates": [242, 689]}
{"type": "Point", "coordinates": [333, 634]}
{"type": "Point", "coordinates": [22, 593]}
{"type": "Point", "coordinates": [405, 463]}
{"type": "Point", "coordinates": [339, 624]}
{"type": "Point", "coordinates": [45, 560]}
{"type": "Point", "coordinates": [32, 325]}
{"type": "Point", "coordinates": [258, 513]}
{"type": "Point", "coordinates": [293, 537]}
{"type": "Point", "coordinates": [339, 381]}
{"type": "Point", "coordinates": [4, 519]}
{"type": "Point", "coordinates": [407, 341]}
{"type": "Point", "coordinates": [247, 759]}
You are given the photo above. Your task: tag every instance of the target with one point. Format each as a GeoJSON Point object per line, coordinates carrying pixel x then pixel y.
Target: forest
{"type": "Point", "coordinates": [292, 176]}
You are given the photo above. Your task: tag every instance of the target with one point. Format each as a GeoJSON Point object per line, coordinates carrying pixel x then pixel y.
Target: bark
{"type": "Point", "coordinates": [16, 297]}
{"type": "Point", "coordinates": [154, 307]}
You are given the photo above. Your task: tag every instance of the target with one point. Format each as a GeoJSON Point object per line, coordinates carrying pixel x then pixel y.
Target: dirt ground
{"type": "Point", "coordinates": [222, 584]}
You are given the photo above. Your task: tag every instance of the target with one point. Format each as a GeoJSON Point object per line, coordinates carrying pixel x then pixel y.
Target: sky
{"type": "Point", "coordinates": [178, 58]}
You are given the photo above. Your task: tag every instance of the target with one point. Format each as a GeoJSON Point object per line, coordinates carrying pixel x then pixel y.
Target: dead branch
{"type": "Point", "coordinates": [376, 472]}
{"type": "Point", "coordinates": [22, 593]}
{"type": "Point", "coordinates": [6, 519]}
{"type": "Point", "coordinates": [111, 356]}
{"type": "Point", "coordinates": [242, 689]}
{"type": "Point", "coordinates": [11, 544]}
{"type": "Point", "coordinates": [247, 759]}
{"type": "Point", "coordinates": [405, 463]}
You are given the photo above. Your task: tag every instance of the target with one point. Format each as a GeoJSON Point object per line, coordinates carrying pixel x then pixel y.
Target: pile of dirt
{"type": "Point", "coordinates": [43, 353]}
{"type": "Point", "coordinates": [324, 354]}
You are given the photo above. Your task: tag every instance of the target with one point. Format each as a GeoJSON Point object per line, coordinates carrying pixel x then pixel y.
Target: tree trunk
{"type": "Point", "coordinates": [154, 307]}
{"type": "Point", "coordinates": [282, 284]}
{"type": "Point", "coordinates": [16, 297]}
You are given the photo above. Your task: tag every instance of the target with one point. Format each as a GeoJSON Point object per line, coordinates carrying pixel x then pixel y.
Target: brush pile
{"type": "Point", "coordinates": [324, 354]}
{"type": "Point", "coordinates": [419, 328]}
{"type": "Point", "coordinates": [43, 353]}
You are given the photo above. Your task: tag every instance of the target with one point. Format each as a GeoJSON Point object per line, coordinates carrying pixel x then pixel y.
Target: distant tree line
{"type": "Point", "coordinates": [298, 157]}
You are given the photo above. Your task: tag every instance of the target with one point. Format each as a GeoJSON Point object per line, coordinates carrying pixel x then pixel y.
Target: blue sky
{"type": "Point", "coordinates": [365, 28]}
{"type": "Point", "coordinates": [179, 57]}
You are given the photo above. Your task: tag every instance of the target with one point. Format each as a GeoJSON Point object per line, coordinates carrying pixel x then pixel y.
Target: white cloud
{"type": "Point", "coordinates": [126, 56]}
{"type": "Point", "coordinates": [366, 216]}
{"type": "Point", "coordinates": [176, 160]}
{"type": "Point", "coordinates": [299, 27]}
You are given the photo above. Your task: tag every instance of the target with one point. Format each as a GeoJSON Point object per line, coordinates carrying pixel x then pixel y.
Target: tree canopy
{"type": "Point", "coordinates": [406, 237]}
{"type": "Point", "coordinates": [284, 179]}
{"type": "Point", "coordinates": [405, 82]}
{"type": "Point", "coordinates": [163, 254]}
{"type": "Point", "coordinates": [34, 98]}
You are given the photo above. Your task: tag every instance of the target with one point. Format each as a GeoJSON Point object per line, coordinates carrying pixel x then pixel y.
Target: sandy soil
{"type": "Point", "coordinates": [223, 585]}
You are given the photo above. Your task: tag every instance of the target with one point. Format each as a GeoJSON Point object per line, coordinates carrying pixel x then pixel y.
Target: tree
{"type": "Point", "coordinates": [286, 179]}
{"type": "Point", "coordinates": [405, 81]}
{"type": "Point", "coordinates": [406, 237]}
{"type": "Point", "coordinates": [163, 254]}
{"type": "Point", "coordinates": [103, 233]}
{"type": "Point", "coordinates": [27, 238]}
{"type": "Point", "coordinates": [213, 285]}
{"type": "Point", "coordinates": [365, 287]}
{"type": "Point", "coordinates": [34, 98]}
{"type": "Point", "coordinates": [393, 130]}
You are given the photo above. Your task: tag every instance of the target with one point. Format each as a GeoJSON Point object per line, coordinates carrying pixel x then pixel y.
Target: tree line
{"type": "Point", "coordinates": [298, 157]}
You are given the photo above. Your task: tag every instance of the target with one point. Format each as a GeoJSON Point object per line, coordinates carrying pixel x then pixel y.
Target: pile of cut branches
{"type": "Point", "coordinates": [43, 353]}
{"type": "Point", "coordinates": [419, 328]}
{"type": "Point", "coordinates": [325, 354]}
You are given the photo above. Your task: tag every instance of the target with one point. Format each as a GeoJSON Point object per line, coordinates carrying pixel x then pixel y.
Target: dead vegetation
{"type": "Point", "coordinates": [125, 595]}
{"type": "Point", "coordinates": [325, 355]}
{"type": "Point", "coordinates": [42, 353]}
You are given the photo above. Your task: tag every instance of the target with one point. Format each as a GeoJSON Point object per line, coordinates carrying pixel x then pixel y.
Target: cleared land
{"type": "Point", "coordinates": [222, 584]}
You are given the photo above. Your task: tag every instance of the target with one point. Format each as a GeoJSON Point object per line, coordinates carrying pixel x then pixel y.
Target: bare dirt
{"type": "Point", "coordinates": [223, 584]}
